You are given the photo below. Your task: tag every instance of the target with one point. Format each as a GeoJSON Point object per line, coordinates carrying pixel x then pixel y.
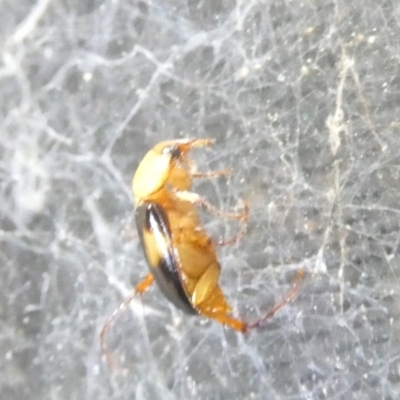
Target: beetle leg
{"type": "Point", "coordinates": [240, 234]}
{"type": "Point", "coordinates": [277, 307]}
{"type": "Point", "coordinates": [143, 285]}
{"type": "Point", "coordinates": [140, 288]}
{"type": "Point", "coordinates": [196, 199]}
{"type": "Point", "coordinates": [224, 317]}
{"type": "Point", "coordinates": [181, 178]}
{"type": "Point", "coordinates": [212, 174]}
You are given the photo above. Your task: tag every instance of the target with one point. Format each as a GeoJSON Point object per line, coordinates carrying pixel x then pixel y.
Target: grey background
{"type": "Point", "coordinates": [303, 98]}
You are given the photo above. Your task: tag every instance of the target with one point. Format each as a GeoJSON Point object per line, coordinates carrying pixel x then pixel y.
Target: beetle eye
{"type": "Point", "coordinates": [173, 151]}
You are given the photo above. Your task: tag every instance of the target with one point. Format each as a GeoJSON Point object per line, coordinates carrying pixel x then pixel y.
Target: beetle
{"type": "Point", "coordinates": [180, 254]}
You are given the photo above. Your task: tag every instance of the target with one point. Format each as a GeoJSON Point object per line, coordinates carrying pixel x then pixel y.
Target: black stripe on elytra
{"type": "Point", "coordinates": [151, 216]}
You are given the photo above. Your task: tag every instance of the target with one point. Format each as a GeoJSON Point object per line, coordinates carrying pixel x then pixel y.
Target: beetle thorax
{"type": "Point", "coordinates": [151, 175]}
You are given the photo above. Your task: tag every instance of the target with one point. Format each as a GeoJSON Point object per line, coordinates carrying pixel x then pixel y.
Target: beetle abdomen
{"type": "Point", "coordinates": [155, 236]}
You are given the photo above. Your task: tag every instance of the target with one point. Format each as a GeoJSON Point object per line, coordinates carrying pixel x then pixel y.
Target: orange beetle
{"type": "Point", "coordinates": [181, 256]}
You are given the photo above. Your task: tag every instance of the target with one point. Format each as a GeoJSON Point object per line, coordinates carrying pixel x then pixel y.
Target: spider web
{"type": "Point", "coordinates": [303, 98]}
